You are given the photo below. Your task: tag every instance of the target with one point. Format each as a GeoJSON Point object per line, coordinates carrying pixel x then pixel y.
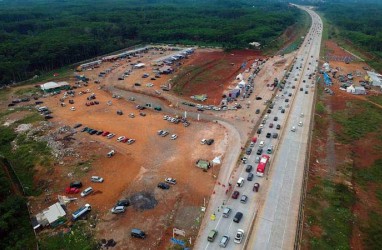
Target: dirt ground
{"type": "Point", "coordinates": [341, 155]}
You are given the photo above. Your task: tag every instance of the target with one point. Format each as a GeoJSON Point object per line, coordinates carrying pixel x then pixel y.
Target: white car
{"type": "Point", "coordinates": [96, 179]}
{"type": "Point", "coordinates": [165, 117]}
{"type": "Point", "coordinates": [261, 126]}
{"type": "Point", "coordinates": [109, 136]}
{"type": "Point", "coordinates": [300, 124]}
{"type": "Point", "coordinates": [111, 153]}
{"type": "Point", "coordinates": [72, 108]}
{"type": "Point", "coordinates": [293, 129]}
{"type": "Point", "coordinates": [130, 141]}
{"type": "Point", "coordinates": [118, 209]}
{"type": "Point", "coordinates": [302, 115]}
{"type": "Point", "coordinates": [131, 115]}
{"type": "Point", "coordinates": [170, 180]}
{"type": "Point", "coordinates": [203, 141]}
{"type": "Point", "coordinates": [261, 144]}
{"type": "Point", "coordinates": [174, 136]}
{"type": "Point", "coordinates": [121, 138]}
{"type": "Point", "coordinates": [239, 236]}
{"type": "Point", "coordinates": [87, 191]}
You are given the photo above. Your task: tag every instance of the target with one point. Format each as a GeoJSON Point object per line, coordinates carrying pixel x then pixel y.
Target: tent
{"type": "Point", "coordinates": [360, 91]}
{"type": "Point", "coordinates": [350, 89]}
{"type": "Point", "coordinates": [239, 77]}
{"type": "Point", "coordinates": [241, 84]}
{"type": "Point", "coordinates": [216, 160]}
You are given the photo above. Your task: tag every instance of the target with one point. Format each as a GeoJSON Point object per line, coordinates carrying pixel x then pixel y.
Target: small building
{"type": "Point", "coordinates": [350, 89]}
{"type": "Point", "coordinates": [375, 78]}
{"type": "Point", "coordinates": [50, 87]}
{"type": "Point", "coordinates": [234, 93]}
{"type": "Point", "coordinates": [359, 90]}
{"type": "Point", "coordinates": [53, 216]}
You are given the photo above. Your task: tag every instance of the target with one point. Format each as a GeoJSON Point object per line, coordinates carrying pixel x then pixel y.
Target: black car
{"type": "Point", "coordinates": [210, 141]}
{"type": "Point", "coordinates": [76, 184]}
{"type": "Point", "coordinates": [124, 203]}
{"type": "Point", "coordinates": [77, 125]}
{"type": "Point", "coordinates": [99, 132]}
{"type": "Point", "coordinates": [250, 177]}
{"type": "Point", "coordinates": [269, 111]}
{"type": "Point", "coordinates": [275, 135]}
{"type": "Point", "coordinates": [268, 135]}
{"type": "Point", "coordinates": [259, 151]}
{"type": "Point", "coordinates": [293, 87]}
{"type": "Point", "coordinates": [282, 111]}
{"type": "Point", "coordinates": [163, 185]}
{"type": "Point", "coordinates": [93, 132]}
{"type": "Point", "coordinates": [278, 126]}
{"type": "Point", "coordinates": [286, 100]}
{"type": "Point", "coordinates": [248, 168]}
{"type": "Point", "coordinates": [290, 94]}
{"type": "Point", "coordinates": [84, 129]}
{"type": "Point", "coordinates": [257, 111]}
{"type": "Point", "coordinates": [258, 98]}
{"type": "Point", "coordinates": [306, 92]}
{"type": "Point", "coordinates": [301, 89]}
{"type": "Point", "coordinates": [259, 131]}
{"type": "Point", "coordinates": [276, 118]}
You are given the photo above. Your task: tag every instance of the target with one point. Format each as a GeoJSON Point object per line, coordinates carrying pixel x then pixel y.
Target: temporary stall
{"type": "Point", "coordinates": [360, 90]}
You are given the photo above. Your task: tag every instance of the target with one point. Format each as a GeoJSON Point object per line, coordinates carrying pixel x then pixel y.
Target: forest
{"type": "Point", "coordinates": [42, 35]}
{"type": "Point", "coordinates": [358, 22]}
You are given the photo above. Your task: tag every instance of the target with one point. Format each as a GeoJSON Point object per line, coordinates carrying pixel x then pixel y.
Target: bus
{"type": "Point", "coordinates": [263, 164]}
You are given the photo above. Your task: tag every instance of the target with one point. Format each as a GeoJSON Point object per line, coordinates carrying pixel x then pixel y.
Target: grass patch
{"type": "Point", "coordinates": [378, 194]}
{"type": "Point", "coordinates": [375, 99]}
{"type": "Point", "coordinates": [31, 118]}
{"type": "Point", "coordinates": [320, 108]}
{"type": "Point", "coordinates": [371, 174]}
{"type": "Point", "coordinates": [373, 231]}
{"type": "Point", "coordinates": [27, 91]}
{"type": "Point", "coordinates": [329, 207]}
{"type": "Point", "coordinates": [79, 237]}
{"type": "Point", "coordinates": [24, 157]}
{"type": "Point", "coordinates": [357, 121]}
{"type": "Point", "coordinates": [4, 93]}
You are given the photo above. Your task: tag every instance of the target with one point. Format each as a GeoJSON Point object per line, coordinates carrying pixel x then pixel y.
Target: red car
{"type": "Point", "coordinates": [87, 104]}
{"type": "Point", "coordinates": [235, 194]}
{"type": "Point", "coordinates": [125, 140]}
{"type": "Point", "coordinates": [70, 190]}
{"type": "Point", "coordinates": [271, 125]}
{"type": "Point", "coordinates": [105, 133]}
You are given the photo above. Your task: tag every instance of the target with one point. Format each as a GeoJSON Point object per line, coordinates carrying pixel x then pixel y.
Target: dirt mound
{"type": "Point", "coordinates": [143, 201]}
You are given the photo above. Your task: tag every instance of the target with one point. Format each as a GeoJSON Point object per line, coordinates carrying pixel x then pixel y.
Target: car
{"type": "Point", "coordinates": [119, 139]}
{"type": "Point", "coordinates": [270, 149]}
{"type": "Point", "coordinates": [287, 100]}
{"type": "Point", "coordinates": [275, 135]}
{"type": "Point", "coordinates": [270, 125]}
{"type": "Point", "coordinates": [99, 132]}
{"type": "Point", "coordinates": [250, 177]}
{"type": "Point", "coordinates": [275, 118]}
{"type": "Point", "coordinates": [235, 194]}
{"type": "Point", "coordinates": [238, 217]}
{"type": "Point", "coordinates": [239, 236]}
{"type": "Point", "coordinates": [96, 179]}
{"type": "Point", "coordinates": [163, 185]}
{"type": "Point", "coordinates": [72, 108]}
{"type": "Point", "coordinates": [248, 168]}
{"type": "Point", "coordinates": [257, 111]}
{"type": "Point", "coordinates": [131, 115]}
{"type": "Point", "coordinates": [93, 132]}
{"type": "Point", "coordinates": [72, 190]}
{"type": "Point", "coordinates": [257, 159]}
{"type": "Point", "coordinates": [164, 133]}
{"type": "Point", "coordinates": [170, 180]}
{"type": "Point", "coordinates": [119, 112]}
{"type": "Point", "coordinates": [226, 212]}
{"type": "Point", "coordinates": [109, 136]}
{"type": "Point", "coordinates": [85, 129]}
{"type": "Point", "coordinates": [160, 132]}
{"type": "Point", "coordinates": [258, 98]}
{"type": "Point", "coordinates": [293, 129]}
{"type": "Point", "coordinates": [290, 94]}
{"type": "Point", "coordinates": [87, 191]}
{"type": "Point", "coordinates": [300, 124]}
{"type": "Point", "coordinates": [173, 137]}
{"type": "Point", "coordinates": [210, 141]}
{"type": "Point", "coordinates": [252, 144]}
{"type": "Point", "coordinates": [282, 111]}
{"type": "Point", "coordinates": [224, 241]}
{"type": "Point", "coordinates": [293, 87]}
{"type": "Point", "coordinates": [259, 151]}
{"type": "Point", "coordinates": [212, 235]}
{"type": "Point", "coordinates": [118, 209]}
{"type": "Point", "coordinates": [137, 233]}
{"type": "Point", "coordinates": [77, 125]}
{"type": "Point", "coordinates": [301, 89]}
{"type": "Point", "coordinates": [125, 140]}
{"type": "Point", "coordinates": [256, 187]}
{"type": "Point", "coordinates": [142, 114]}
{"type": "Point", "coordinates": [244, 160]}
{"type": "Point", "coordinates": [302, 115]}
{"type": "Point", "coordinates": [130, 141]}
{"type": "Point", "coordinates": [75, 184]}
{"type": "Point", "coordinates": [244, 199]}
{"type": "Point", "coordinates": [269, 111]}
{"type": "Point", "coordinates": [124, 203]}
{"type": "Point", "coordinates": [259, 131]}
{"type": "Point", "coordinates": [268, 135]}
{"type": "Point", "coordinates": [111, 153]}
{"type": "Point", "coordinates": [306, 91]}
{"type": "Point", "coordinates": [248, 151]}
{"type": "Point", "coordinates": [105, 133]}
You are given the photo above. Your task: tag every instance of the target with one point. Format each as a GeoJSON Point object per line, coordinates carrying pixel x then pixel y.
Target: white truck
{"type": "Point", "coordinates": [81, 211]}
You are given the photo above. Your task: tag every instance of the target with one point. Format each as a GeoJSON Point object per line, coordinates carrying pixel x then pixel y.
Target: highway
{"type": "Point", "coordinates": [270, 216]}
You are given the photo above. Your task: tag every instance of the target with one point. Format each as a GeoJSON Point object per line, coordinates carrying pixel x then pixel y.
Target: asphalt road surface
{"type": "Point", "coordinates": [272, 212]}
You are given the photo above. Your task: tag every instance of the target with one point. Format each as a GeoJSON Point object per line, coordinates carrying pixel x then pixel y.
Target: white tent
{"type": "Point", "coordinates": [139, 65]}
{"type": "Point", "coordinates": [350, 89]}
{"type": "Point", "coordinates": [239, 77]}
{"type": "Point", "coordinates": [216, 160]}
{"type": "Point", "coordinates": [241, 84]}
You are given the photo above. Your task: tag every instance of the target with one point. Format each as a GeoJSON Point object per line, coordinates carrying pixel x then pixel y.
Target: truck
{"type": "Point", "coordinates": [81, 211]}
{"type": "Point", "coordinates": [263, 164]}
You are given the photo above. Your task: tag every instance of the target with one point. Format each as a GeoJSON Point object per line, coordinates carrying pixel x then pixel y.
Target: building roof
{"type": "Point", "coordinates": [54, 212]}
{"type": "Point", "coordinates": [53, 85]}
{"type": "Point", "coordinates": [375, 78]}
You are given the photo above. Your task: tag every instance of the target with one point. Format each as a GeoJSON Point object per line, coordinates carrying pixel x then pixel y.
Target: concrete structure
{"type": "Point", "coordinates": [50, 87]}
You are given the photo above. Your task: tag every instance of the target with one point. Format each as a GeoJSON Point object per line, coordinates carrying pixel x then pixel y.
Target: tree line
{"type": "Point", "coordinates": [42, 35]}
